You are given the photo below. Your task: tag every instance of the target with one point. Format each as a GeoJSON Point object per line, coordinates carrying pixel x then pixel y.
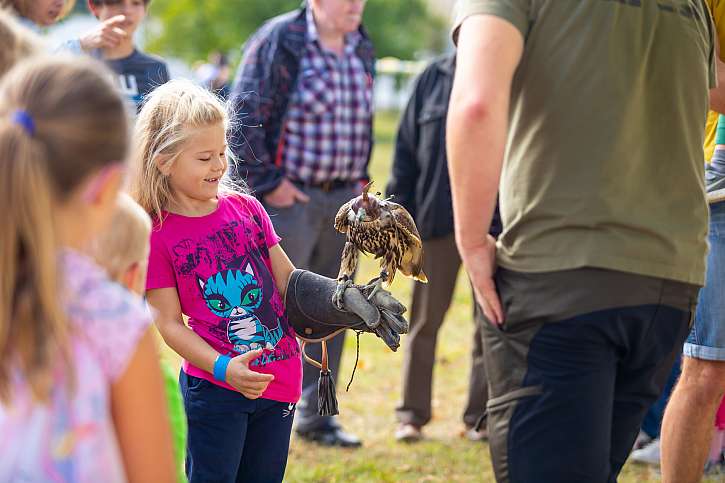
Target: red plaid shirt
{"type": "Point", "coordinates": [326, 132]}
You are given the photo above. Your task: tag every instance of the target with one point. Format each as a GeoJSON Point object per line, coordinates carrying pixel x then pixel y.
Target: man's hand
{"type": "Point", "coordinates": [251, 384]}
{"type": "Point", "coordinates": [107, 35]}
{"type": "Point", "coordinates": [285, 195]}
{"type": "Point", "coordinates": [480, 264]}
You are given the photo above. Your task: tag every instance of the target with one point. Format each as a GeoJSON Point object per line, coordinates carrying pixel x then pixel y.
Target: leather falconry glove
{"type": "Point", "coordinates": [315, 318]}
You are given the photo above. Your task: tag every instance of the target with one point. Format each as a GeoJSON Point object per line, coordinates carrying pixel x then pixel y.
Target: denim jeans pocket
{"type": "Point", "coordinates": [191, 384]}
{"type": "Point", "coordinates": [717, 220]}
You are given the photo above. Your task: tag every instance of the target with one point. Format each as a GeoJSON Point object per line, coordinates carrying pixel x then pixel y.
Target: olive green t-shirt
{"type": "Point", "coordinates": [604, 155]}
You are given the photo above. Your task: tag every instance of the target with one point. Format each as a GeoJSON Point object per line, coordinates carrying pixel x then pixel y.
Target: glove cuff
{"type": "Point", "coordinates": [310, 310]}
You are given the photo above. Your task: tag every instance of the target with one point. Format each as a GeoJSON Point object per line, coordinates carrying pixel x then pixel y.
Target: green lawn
{"type": "Point", "coordinates": [368, 409]}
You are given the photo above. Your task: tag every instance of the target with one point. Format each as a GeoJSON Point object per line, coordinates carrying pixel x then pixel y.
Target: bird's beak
{"type": "Point", "coordinates": [360, 215]}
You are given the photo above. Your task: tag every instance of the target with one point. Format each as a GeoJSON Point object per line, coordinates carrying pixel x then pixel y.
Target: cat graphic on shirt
{"type": "Point", "coordinates": [236, 295]}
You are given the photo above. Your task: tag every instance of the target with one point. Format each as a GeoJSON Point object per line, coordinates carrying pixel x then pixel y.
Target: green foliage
{"type": "Point", "coordinates": [190, 29]}
{"type": "Point", "coordinates": [404, 28]}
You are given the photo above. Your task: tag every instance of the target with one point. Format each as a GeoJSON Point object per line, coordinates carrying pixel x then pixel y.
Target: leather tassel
{"type": "Point", "coordinates": [326, 398]}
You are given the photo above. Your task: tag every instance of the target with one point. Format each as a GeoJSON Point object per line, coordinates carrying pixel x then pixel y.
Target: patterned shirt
{"type": "Point", "coordinates": [221, 268]}
{"type": "Point", "coordinates": [71, 438]}
{"type": "Point", "coordinates": [326, 133]}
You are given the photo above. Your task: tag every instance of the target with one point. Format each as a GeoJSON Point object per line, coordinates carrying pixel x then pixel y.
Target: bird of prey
{"type": "Point", "coordinates": [384, 230]}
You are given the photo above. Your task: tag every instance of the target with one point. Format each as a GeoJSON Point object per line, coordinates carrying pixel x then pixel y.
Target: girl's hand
{"type": "Point", "coordinates": [251, 384]}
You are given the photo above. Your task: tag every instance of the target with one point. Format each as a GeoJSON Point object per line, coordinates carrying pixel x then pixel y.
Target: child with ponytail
{"type": "Point", "coordinates": [81, 396]}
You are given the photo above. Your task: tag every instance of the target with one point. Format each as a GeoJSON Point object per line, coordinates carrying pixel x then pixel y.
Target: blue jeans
{"type": "Point", "coordinates": [652, 423]}
{"type": "Point", "coordinates": [232, 438]}
{"type": "Point", "coordinates": [707, 338]}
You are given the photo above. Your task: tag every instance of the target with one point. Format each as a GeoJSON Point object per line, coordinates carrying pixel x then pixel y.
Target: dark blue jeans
{"type": "Point", "coordinates": [232, 438]}
{"type": "Point", "coordinates": [652, 423]}
{"type": "Point", "coordinates": [588, 383]}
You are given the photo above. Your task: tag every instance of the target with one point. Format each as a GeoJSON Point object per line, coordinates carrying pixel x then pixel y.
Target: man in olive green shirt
{"type": "Point", "coordinates": [591, 114]}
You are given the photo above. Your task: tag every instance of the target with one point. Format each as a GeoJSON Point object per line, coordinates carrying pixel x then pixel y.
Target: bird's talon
{"type": "Point", "coordinates": [338, 296]}
{"type": "Point", "coordinates": [372, 287]}
{"type": "Point", "coordinates": [384, 276]}
{"type": "Point", "coordinates": [373, 292]}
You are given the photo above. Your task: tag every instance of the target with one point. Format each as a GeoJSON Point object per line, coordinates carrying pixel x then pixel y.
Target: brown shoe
{"type": "Point", "coordinates": [408, 433]}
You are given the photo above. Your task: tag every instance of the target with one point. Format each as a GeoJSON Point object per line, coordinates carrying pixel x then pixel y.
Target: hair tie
{"type": "Point", "coordinates": [24, 120]}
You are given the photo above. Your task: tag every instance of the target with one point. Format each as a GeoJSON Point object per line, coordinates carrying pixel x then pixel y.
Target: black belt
{"type": "Point", "coordinates": [329, 185]}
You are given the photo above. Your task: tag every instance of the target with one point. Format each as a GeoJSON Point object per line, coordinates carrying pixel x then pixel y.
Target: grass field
{"type": "Point", "coordinates": [368, 409]}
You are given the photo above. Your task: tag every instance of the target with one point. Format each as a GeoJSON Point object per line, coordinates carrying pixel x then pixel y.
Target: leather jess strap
{"type": "Point", "coordinates": [323, 365]}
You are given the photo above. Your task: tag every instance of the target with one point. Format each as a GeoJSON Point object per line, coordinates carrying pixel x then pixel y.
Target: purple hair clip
{"type": "Point", "coordinates": [24, 120]}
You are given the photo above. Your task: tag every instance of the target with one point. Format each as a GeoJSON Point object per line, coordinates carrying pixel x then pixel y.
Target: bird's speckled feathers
{"type": "Point", "coordinates": [384, 230]}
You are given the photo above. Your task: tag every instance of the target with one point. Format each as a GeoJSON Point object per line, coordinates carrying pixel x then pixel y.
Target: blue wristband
{"type": "Point", "coordinates": [220, 367]}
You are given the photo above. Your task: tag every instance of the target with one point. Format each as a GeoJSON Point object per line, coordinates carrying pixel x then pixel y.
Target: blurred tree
{"type": "Point", "coordinates": [189, 29]}
{"type": "Point", "coordinates": [404, 28]}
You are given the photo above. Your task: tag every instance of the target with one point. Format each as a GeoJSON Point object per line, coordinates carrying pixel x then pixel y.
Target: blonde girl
{"type": "Point", "coordinates": [123, 251]}
{"type": "Point", "coordinates": [216, 259]}
{"type": "Point", "coordinates": [80, 390]}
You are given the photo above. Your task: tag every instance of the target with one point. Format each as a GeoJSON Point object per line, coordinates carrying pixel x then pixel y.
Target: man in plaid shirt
{"type": "Point", "coordinates": [303, 137]}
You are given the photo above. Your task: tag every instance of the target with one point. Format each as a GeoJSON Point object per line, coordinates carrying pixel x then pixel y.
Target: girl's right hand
{"type": "Point", "coordinates": [251, 384]}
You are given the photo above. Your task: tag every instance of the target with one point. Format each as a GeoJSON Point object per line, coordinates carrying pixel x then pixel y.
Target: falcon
{"type": "Point", "coordinates": [384, 230]}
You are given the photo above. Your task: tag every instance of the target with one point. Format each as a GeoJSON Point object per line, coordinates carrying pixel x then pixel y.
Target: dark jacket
{"type": "Point", "coordinates": [420, 180]}
{"type": "Point", "coordinates": [265, 81]}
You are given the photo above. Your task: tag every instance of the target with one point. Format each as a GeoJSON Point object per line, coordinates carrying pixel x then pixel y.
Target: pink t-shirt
{"type": "Point", "coordinates": [71, 438]}
{"type": "Point", "coordinates": [220, 266]}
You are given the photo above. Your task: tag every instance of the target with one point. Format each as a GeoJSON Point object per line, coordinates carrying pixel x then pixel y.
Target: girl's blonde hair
{"type": "Point", "coordinates": [170, 114]}
{"type": "Point", "coordinates": [22, 7]}
{"type": "Point", "coordinates": [125, 241]}
{"type": "Point", "coordinates": [18, 42]}
{"type": "Point", "coordinates": [61, 121]}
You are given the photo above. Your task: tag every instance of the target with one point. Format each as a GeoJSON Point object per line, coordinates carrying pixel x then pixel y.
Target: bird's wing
{"type": "Point", "coordinates": [411, 263]}
{"type": "Point", "coordinates": [405, 222]}
{"type": "Point", "coordinates": [341, 221]}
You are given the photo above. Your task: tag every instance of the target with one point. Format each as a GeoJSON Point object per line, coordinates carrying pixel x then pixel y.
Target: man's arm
{"type": "Point", "coordinates": [489, 50]}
